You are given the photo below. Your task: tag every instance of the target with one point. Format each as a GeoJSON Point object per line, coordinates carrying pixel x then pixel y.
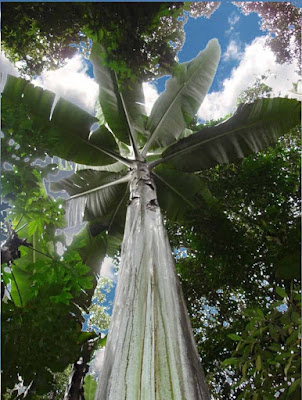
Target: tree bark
{"type": "Point", "coordinates": [150, 352]}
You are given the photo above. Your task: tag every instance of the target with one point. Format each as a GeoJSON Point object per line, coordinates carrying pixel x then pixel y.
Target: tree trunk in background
{"type": "Point", "coordinates": [75, 389]}
{"type": "Point", "coordinates": [150, 352]}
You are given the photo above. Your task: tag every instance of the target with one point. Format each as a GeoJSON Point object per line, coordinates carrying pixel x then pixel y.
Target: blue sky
{"type": "Point", "coordinates": [227, 23]}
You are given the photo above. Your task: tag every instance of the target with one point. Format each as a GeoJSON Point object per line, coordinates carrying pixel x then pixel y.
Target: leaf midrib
{"type": "Point", "coordinates": [181, 151]}
{"type": "Point", "coordinates": [153, 135]}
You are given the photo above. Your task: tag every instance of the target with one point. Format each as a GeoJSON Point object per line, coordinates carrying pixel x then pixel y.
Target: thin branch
{"type": "Point", "coordinates": [34, 244]}
{"type": "Point", "coordinates": [23, 226]}
{"type": "Point", "coordinates": [13, 275]}
{"type": "Point", "coordinates": [174, 190]}
{"type": "Point", "coordinates": [19, 222]}
{"type": "Point", "coordinates": [112, 154]}
{"type": "Point", "coordinates": [41, 252]}
{"type": "Point", "coordinates": [125, 178]}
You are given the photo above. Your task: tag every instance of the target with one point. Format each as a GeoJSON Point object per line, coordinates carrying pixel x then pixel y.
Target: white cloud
{"type": "Point", "coordinates": [232, 52]}
{"type": "Point", "coordinates": [256, 61]}
{"type": "Point", "coordinates": [233, 19]}
{"type": "Point", "coordinates": [72, 82]}
{"type": "Point", "coordinates": [108, 269]}
{"type": "Point", "coordinates": [151, 95]}
{"type": "Point", "coordinates": [97, 362]}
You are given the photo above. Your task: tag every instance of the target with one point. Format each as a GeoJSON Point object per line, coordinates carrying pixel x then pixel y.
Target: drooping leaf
{"type": "Point", "coordinates": [63, 133]}
{"type": "Point", "coordinates": [85, 336]}
{"type": "Point", "coordinates": [123, 108]}
{"type": "Point", "coordinates": [294, 386]}
{"type": "Point", "coordinates": [184, 93]}
{"type": "Point", "coordinates": [258, 363]}
{"type": "Point", "coordinates": [252, 128]}
{"type": "Point", "coordinates": [102, 342]}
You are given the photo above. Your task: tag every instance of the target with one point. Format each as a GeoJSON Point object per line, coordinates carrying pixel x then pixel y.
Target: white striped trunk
{"type": "Point", "coordinates": [150, 352]}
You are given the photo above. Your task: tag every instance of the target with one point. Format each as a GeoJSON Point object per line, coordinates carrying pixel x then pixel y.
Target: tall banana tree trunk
{"type": "Point", "coordinates": [150, 352]}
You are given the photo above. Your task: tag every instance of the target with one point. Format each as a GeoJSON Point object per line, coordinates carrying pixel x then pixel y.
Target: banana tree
{"type": "Point", "coordinates": [131, 168]}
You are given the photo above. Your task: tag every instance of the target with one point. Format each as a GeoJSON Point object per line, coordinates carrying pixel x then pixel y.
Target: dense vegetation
{"type": "Point", "coordinates": [242, 262]}
{"type": "Point", "coordinates": [137, 36]}
{"type": "Point", "coordinates": [242, 241]}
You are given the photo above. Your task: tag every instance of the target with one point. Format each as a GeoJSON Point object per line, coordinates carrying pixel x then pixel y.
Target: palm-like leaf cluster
{"type": "Point", "coordinates": [128, 136]}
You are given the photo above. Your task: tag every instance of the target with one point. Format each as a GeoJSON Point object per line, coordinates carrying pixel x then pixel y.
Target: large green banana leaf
{"type": "Point", "coordinates": [184, 93]}
{"type": "Point", "coordinates": [63, 131]}
{"type": "Point", "coordinates": [123, 107]}
{"type": "Point", "coordinates": [252, 128]}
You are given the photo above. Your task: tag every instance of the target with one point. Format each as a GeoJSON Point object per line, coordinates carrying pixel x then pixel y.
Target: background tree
{"type": "Point", "coordinates": [242, 244]}
{"type": "Point", "coordinates": [141, 40]}
{"type": "Point", "coordinates": [283, 22]}
{"type": "Point", "coordinates": [46, 294]}
{"type": "Point", "coordinates": [258, 90]}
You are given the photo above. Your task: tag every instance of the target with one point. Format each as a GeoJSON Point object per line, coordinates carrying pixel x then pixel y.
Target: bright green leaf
{"type": "Point", "coordinates": [90, 386]}
{"type": "Point", "coordinates": [234, 337]}
{"type": "Point", "coordinates": [281, 292]}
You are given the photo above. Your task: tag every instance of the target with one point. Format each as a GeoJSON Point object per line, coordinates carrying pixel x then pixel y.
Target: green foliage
{"type": "Point", "coordinates": [268, 353]}
{"type": "Point", "coordinates": [40, 34]}
{"type": "Point", "coordinates": [90, 386]}
{"type": "Point", "coordinates": [136, 36]}
{"type": "Point", "coordinates": [39, 333]}
{"type": "Point", "coordinates": [258, 90]}
{"type": "Point", "coordinates": [36, 213]}
{"type": "Point", "coordinates": [99, 318]}
{"type": "Point", "coordinates": [246, 223]}
{"type": "Point", "coordinates": [283, 22]}
{"type": "Point", "coordinates": [42, 316]}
